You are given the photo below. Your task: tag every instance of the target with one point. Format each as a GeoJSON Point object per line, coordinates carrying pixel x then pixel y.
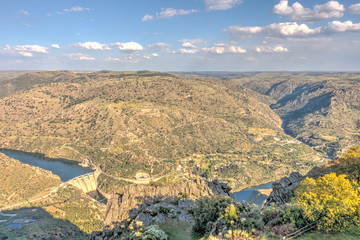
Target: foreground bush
{"type": "Point", "coordinates": [136, 232]}
{"type": "Point", "coordinates": [208, 210]}
{"type": "Point", "coordinates": [351, 160]}
{"type": "Point", "coordinates": [331, 201]}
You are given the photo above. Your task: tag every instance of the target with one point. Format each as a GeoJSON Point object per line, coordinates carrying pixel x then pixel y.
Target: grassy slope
{"type": "Point", "coordinates": [19, 182]}
{"type": "Point", "coordinates": [80, 210]}
{"type": "Point", "coordinates": [128, 122]}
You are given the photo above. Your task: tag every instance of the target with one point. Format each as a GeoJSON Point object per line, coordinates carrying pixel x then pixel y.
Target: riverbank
{"type": "Point", "coordinates": [65, 169]}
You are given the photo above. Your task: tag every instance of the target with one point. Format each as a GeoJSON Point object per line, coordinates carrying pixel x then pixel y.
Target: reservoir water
{"type": "Point", "coordinates": [66, 170]}
{"type": "Point", "coordinates": [251, 194]}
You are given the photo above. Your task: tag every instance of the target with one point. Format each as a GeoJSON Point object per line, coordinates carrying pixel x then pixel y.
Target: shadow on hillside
{"type": "Point", "coordinates": [147, 204]}
{"type": "Point", "coordinates": [258, 198]}
{"type": "Point", "coordinates": [36, 223]}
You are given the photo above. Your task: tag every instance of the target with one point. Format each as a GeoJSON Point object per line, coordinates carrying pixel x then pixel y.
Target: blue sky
{"type": "Point", "coordinates": [180, 35]}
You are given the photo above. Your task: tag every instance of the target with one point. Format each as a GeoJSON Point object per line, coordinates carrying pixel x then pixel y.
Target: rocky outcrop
{"type": "Point", "coordinates": [154, 205]}
{"type": "Point", "coordinates": [150, 214]}
{"type": "Point", "coordinates": [283, 189]}
{"type": "Point", "coordinates": [134, 199]}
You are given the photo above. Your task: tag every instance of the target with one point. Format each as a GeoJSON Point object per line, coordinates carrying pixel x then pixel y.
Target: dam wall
{"type": "Point", "coordinates": [86, 183]}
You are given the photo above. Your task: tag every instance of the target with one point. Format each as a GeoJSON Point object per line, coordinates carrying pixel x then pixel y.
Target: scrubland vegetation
{"type": "Point", "coordinates": [150, 122]}
{"type": "Point", "coordinates": [21, 182]}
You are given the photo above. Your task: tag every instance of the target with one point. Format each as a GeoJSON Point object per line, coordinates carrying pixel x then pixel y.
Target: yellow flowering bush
{"type": "Point", "coordinates": [332, 201]}
{"type": "Point", "coordinates": [351, 160]}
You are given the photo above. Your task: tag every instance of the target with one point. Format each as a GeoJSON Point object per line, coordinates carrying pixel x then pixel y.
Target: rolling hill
{"type": "Point", "coordinates": [131, 122]}
{"type": "Point", "coordinates": [320, 109]}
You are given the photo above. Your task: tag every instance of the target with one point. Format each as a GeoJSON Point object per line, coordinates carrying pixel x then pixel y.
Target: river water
{"type": "Point", "coordinates": [251, 194]}
{"type": "Point", "coordinates": [66, 170]}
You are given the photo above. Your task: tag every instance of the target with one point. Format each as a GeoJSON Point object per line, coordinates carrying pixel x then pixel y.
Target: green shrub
{"type": "Point", "coordinates": [208, 210]}
{"type": "Point", "coordinates": [295, 217]}
{"type": "Point", "coordinates": [153, 232]}
{"type": "Point", "coordinates": [272, 215]}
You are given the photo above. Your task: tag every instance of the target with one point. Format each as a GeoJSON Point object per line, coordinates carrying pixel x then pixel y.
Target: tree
{"type": "Point", "coordinates": [231, 215]}
{"type": "Point", "coordinates": [352, 161]}
{"type": "Point", "coordinates": [208, 210]}
{"type": "Point", "coordinates": [231, 218]}
{"type": "Point", "coordinates": [153, 232]}
{"type": "Point", "coordinates": [332, 201]}
{"type": "Point", "coordinates": [137, 232]}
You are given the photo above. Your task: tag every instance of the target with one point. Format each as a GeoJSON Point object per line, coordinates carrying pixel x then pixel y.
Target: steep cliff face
{"type": "Point", "coordinates": [135, 198]}
{"type": "Point", "coordinates": [283, 190]}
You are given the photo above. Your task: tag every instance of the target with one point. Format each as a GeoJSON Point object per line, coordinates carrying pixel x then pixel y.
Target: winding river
{"type": "Point", "coordinates": [65, 169]}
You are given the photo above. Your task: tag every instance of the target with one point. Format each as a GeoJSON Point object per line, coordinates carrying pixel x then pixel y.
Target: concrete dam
{"type": "Point", "coordinates": [87, 182]}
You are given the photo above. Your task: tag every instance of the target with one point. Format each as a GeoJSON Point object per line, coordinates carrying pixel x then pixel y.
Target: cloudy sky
{"type": "Point", "coordinates": [180, 35]}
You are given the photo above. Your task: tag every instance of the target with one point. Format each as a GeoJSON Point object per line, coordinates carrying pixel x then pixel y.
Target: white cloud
{"type": "Point", "coordinates": [187, 51]}
{"type": "Point", "coordinates": [268, 49]}
{"type": "Point", "coordinates": [169, 13]}
{"type": "Point", "coordinates": [147, 17]}
{"type": "Point", "coordinates": [158, 45]}
{"type": "Point", "coordinates": [7, 47]}
{"type": "Point", "coordinates": [55, 45]}
{"type": "Point", "coordinates": [338, 27]}
{"type": "Point", "coordinates": [235, 49]}
{"type": "Point", "coordinates": [26, 50]}
{"type": "Point", "coordinates": [239, 31]}
{"type": "Point", "coordinates": [92, 46]}
{"type": "Point", "coordinates": [31, 48]}
{"type": "Point", "coordinates": [26, 54]}
{"type": "Point", "coordinates": [288, 29]}
{"type": "Point", "coordinates": [354, 9]}
{"type": "Point", "coordinates": [188, 45]}
{"type": "Point", "coordinates": [151, 56]}
{"type": "Point", "coordinates": [80, 57]}
{"type": "Point", "coordinates": [193, 41]}
{"type": "Point", "coordinates": [113, 59]}
{"type": "Point", "coordinates": [26, 13]}
{"type": "Point", "coordinates": [221, 4]}
{"type": "Point", "coordinates": [77, 9]}
{"type": "Point", "coordinates": [131, 58]}
{"type": "Point", "coordinates": [296, 12]}
{"type": "Point", "coordinates": [221, 48]}
{"type": "Point", "coordinates": [128, 46]}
